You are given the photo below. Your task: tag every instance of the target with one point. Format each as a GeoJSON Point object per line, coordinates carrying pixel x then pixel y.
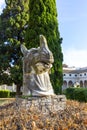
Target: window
{"type": "Point", "coordinates": [75, 75]}
{"type": "Point", "coordinates": [69, 74]}
{"type": "Point", "coordinates": [85, 74]}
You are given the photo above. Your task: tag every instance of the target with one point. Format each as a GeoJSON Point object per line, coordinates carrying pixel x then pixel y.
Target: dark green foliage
{"type": "Point", "coordinates": [7, 94]}
{"type": "Point", "coordinates": [69, 92]}
{"type": "Point", "coordinates": [13, 25]}
{"type": "Point", "coordinates": [12, 94]}
{"type": "Point", "coordinates": [79, 94]}
{"type": "Point", "coordinates": [43, 20]}
{"type": "Point", "coordinates": [4, 93]}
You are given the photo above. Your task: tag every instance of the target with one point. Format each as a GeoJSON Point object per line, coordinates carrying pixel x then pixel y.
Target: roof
{"type": "Point", "coordinates": [73, 71]}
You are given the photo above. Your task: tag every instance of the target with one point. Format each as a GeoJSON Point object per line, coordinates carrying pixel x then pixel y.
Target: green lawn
{"type": "Point", "coordinates": [6, 101]}
{"type": "Point", "coordinates": [2, 102]}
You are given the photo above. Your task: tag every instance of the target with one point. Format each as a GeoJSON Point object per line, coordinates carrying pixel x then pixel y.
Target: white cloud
{"type": "Point", "coordinates": [2, 5]}
{"type": "Point", "coordinates": [77, 58]}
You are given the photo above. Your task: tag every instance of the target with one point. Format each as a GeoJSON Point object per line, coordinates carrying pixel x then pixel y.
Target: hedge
{"type": "Point", "coordinates": [4, 93]}
{"type": "Point", "coordinates": [12, 94]}
{"type": "Point", "coordinates": [79, 94]}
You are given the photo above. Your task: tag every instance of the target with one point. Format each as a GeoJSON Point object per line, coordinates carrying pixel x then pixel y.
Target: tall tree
{"type": "Point", "coordinates": [43, 20]}
{"type": "Point", "coordinates": [13, 25]}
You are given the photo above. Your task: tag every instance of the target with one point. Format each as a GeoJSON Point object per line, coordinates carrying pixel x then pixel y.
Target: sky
{"type": "Point", "coordinates": [72, 20]}
{"type": "Point", "coordinates": [2, 5]}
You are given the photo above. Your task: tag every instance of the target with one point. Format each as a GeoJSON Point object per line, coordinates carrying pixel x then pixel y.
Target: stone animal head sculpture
{"type": "Point", "coordinates": [36, 64]}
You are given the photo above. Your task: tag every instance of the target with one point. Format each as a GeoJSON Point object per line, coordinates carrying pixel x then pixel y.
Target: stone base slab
{"type": "Point", "coordinates": [43, 104]}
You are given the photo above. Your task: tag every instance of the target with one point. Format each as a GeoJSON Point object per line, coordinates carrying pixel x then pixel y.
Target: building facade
{"type": "Point", "coordinates": [6, 87]}
{"type": "Point", "coordinates": [74, 77]}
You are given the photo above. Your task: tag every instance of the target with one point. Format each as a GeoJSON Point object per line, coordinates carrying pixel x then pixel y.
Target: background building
{"type": "Point", "coordinates": [74, 77]}
{"type": "Point", "coordinates": [6, 87]}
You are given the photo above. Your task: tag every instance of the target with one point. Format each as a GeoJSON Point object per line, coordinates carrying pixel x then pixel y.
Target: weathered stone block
{"type": "Point", "coordinates": [43, 104]}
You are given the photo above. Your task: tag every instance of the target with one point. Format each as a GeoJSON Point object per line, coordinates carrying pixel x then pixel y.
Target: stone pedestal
{"type": "Point", "coordinates": [43, 104]}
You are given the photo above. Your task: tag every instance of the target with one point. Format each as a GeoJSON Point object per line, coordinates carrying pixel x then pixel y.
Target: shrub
{"type": "Point", "coordinates": [4, 93]}
{"type": "Point", "coordinates": [12, 94]}
{"type": "Point", "coordinates": [79, 94]}
{"type": "Point", "coordinates": [69, 93]}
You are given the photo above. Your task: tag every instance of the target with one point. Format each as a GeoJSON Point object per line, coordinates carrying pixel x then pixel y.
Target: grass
{"type": "Point", "coordinates": [4, 101]}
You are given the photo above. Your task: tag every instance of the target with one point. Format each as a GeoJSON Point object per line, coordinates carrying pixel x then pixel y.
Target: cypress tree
{"type": "Point", "coordinates": [13, 24]}
{"type": "Point", "coordinates": [43, 20]}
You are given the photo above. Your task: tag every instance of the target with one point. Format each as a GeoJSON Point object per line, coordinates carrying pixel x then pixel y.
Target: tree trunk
{"type": "Point", "coordinates": [18, 90]}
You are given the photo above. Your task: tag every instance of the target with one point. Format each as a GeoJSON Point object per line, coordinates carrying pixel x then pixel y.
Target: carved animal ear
{"type": "Point", "coordinates": [24, 50]}
{"type": "Point", "coordinates": [43, 42]}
